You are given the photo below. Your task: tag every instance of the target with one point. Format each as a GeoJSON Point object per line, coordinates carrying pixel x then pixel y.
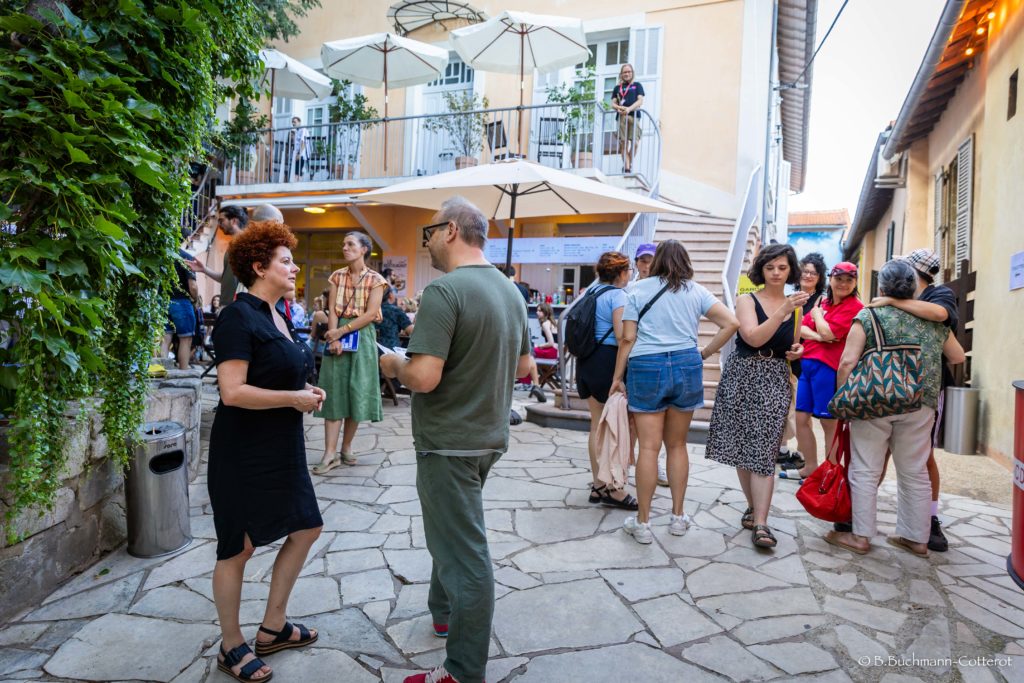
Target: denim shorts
{"type": "Point", "coordinates": [181, 318]}
{"type": "Point", "coordinates": [658, 381]}
{"type": "Point", "coordinates": [815, 388]}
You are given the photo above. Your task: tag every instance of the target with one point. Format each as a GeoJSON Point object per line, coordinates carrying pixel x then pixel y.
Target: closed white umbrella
{"type": "Point", "coordinates": [518, 188]}
{"type": "Point", "coordinates": [383, 59]}
{"type": "Point", "coordinates": [292, 79]}
{"type": "Point", "coordinates": [519, 42]}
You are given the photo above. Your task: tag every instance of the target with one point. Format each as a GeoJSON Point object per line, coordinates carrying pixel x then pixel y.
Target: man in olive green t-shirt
{"type": "Point", "coordinates": [470, 343]}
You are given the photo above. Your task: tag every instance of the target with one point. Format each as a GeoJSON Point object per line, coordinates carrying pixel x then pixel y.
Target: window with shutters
{"type": "Point", "coordinates": [890, 240]}
{"type": "Point", "coordinates": [964, 203]}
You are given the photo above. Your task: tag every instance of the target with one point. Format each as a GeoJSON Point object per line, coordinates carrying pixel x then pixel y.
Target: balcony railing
{"type": "Point", "coordinates": [566, 136]}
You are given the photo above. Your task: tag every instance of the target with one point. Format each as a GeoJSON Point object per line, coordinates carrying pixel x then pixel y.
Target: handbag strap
{"type": "Point", "coordinates": [841, 445]}
{"type": "Point", "coordinates": [647, 306]}
{"type": "Point", "coordinates": [876, 326]}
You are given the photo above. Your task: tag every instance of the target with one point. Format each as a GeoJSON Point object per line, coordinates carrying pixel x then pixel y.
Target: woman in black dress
{"type": "Point", "coordinates": [259, 485]}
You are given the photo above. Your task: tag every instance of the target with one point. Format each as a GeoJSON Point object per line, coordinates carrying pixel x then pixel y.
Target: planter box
{"type": "Point", "coordinates": [465, 162]}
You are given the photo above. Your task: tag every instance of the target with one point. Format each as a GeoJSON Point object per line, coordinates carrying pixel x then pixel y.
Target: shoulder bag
{"type": "Point", "coordinates": [825, 494]}
{"type": "Point", "coordinates": [886, 381]}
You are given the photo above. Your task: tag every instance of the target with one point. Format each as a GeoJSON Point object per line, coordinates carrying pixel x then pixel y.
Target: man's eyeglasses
{"type": "Point", "coordinates": [429, 230]}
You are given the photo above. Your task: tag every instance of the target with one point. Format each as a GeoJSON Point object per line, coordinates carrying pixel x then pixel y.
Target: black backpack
{"type": "Point", "coordinates": [581, 323]}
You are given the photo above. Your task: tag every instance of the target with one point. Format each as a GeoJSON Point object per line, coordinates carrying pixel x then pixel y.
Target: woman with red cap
{"type": "Point", "coordinates": [824, 329]}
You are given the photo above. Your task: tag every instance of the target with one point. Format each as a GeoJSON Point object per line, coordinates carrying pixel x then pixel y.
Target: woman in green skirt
{"type": "Point", "coordinates": [350, 376]}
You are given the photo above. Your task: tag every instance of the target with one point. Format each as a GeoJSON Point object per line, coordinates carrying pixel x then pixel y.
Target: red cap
{"type": "Point", "coordinates": [843, 268]}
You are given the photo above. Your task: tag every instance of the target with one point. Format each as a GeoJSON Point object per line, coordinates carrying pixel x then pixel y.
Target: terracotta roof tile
{"type": "Point", "coordinates": [823, 217]}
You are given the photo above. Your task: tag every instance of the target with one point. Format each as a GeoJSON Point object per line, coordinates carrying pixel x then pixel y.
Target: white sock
{"type": "Point", "coordinates": [784, 450]}
{"type": "Point", "coordinates": [935, 508]}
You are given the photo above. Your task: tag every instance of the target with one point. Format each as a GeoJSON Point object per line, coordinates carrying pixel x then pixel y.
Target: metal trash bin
{"type": "Point", "coordinates": [961, 416]}
{"type": "Point", "coordinates": [156, 492]}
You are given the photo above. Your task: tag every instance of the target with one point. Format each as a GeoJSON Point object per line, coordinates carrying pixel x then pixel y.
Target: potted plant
{"type": "Point", "coordinates": [464, 125]}
{"type": "Point", "coordinates": [239, 139]}
{"type": "Point", "coordinates": [346, 113]}
{"type": "Point", "coordinates": [578, 130]}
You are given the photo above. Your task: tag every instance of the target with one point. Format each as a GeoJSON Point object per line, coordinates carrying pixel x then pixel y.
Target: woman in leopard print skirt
{"type": "Point", "coordinates": [754, 395]}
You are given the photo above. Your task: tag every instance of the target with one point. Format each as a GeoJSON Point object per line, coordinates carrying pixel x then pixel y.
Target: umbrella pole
{"type": "Point", "coordinates": [385, 112]}
{"type": "Point", "coordinates": [522, 84]}
{"type": "Point", "coordinates": [511, 227]}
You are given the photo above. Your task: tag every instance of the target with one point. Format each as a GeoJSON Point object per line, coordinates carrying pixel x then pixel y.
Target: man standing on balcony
{"type": "Point", "coordinates": [470, 343]}
{"type": "Point", "coordinates": [232, 220]}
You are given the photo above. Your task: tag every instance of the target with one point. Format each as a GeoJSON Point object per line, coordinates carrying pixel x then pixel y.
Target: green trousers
{"type": "Point", "coordinates": [462, 579]}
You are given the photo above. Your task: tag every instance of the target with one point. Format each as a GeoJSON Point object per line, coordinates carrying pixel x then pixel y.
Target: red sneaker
{"type": "Point", "coordinates": [441, 630]}
{"type": "Point", "coordinates": [438, 675]}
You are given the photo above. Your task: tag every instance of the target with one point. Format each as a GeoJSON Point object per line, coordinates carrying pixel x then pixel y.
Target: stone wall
{"type": "Point", "coordinates": [88, 518]}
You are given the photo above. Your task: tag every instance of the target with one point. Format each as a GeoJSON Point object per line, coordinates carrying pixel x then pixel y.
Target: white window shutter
{"type": "Point", "coordinates": [939, 223]}
{"type": "Point", "coordinates": [964, 201]}
{"type": "Point", "coordinates": [645, 56]}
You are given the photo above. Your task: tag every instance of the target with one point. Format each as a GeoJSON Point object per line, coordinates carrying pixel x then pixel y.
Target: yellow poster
{"type": "Point", "coordinates": [745, 286]}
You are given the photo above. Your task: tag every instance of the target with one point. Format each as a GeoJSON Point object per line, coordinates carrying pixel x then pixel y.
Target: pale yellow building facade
{"type": "Point", "coordinates": [713, 113]}
{"type": "Point", "coordinates": [952, 183]}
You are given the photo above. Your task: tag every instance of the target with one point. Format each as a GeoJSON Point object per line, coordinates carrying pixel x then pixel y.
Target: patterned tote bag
{"type": "Point", "coordinates": [886, 381]}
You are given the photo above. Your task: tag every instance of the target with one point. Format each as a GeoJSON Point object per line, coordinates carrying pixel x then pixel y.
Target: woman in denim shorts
{"type": "Point", "coordinates": [665, 382]}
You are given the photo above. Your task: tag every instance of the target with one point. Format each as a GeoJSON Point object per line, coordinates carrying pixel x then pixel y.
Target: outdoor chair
{"type": "Point", "coordinates": [547, 373]}
{"type": "Point", "coordinates": [549, 139]}
{"type": "Point", "coordinates": [498, 142]}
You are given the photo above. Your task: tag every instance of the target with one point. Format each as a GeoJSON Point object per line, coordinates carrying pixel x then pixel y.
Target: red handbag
{"type": "Point", "coordinates": [825, 494]}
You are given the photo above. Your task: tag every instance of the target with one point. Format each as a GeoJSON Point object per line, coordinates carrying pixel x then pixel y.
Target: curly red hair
{"type": "Point", "coordinates": [611, 264]}
{"type": "Point", "coordinates": [256, 244]}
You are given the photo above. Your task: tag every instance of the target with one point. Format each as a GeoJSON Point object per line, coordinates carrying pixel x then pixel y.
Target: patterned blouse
{"type": "Point", "coordinates": [354, 292]}
{"type": "Point", "coordinates": [901, 327]}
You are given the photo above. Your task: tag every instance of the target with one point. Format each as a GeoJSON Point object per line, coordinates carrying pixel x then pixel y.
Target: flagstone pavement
{"type": "Point", "coordinates": [577, 599]}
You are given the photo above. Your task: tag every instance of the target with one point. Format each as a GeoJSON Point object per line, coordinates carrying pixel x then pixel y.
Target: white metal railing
{"type": "Point", "coordinates": [571, 135]}
{"type": "Point", "coordinates": [738, 245]}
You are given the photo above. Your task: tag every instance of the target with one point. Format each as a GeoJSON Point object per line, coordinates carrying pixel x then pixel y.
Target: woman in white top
{"type": "Point", "coordinates": [665, 382]}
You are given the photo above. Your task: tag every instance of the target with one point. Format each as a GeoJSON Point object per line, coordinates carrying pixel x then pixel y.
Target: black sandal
{"type": "Point", "coordinates": [595, 494]}
{"type": "Point", "coordinates": [763, 537]}
{"type": "Point", "coordinates": [282, 639]}
{"type": "Point", "coordinates": [747, 520]}
{"type": "Point", "coordinates": [627, 503]}
{"type": "Point", "coordinates": [234, 658]}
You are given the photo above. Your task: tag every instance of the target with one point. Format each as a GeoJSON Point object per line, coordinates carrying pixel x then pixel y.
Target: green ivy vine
{"type": "Point", "coordinates": [103, 104]}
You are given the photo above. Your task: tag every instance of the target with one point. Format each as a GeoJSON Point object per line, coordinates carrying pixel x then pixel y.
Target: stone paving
{"type": "Point", "coordinates": [577, 599]}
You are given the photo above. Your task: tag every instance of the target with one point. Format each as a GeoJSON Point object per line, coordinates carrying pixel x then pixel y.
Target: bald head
{"type": "Point", "coordinates": [267, 212]}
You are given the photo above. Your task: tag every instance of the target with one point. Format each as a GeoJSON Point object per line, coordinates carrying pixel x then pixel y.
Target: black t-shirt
{"type": "Point", "coordinates": [184, 274]}
{"type": "Point", "coordinates": [627, 96]}
{"type": "Point", "coordinates": [943, 296]}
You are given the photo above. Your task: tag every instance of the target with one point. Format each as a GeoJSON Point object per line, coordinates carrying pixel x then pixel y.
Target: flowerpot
{"type": "Point", "coordinates": [583, 159]}
{"type": "Point", "coordinates": [342, 172]}
{"type": "Point", "coordinates": [465, 162]}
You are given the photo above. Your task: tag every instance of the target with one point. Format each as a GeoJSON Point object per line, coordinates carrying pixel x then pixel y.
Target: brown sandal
{"type": "Point", "coordinates": [763, 537]}
{"type": "Point", "coordinates": [747, 520]}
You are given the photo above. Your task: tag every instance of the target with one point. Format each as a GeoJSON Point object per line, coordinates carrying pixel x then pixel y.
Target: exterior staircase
{"type": "Point", "coordinates": [707, 240]}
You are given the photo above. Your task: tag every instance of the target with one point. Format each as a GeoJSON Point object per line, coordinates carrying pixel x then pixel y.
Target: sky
{"type": "Point", "coordinates": [861, 77]}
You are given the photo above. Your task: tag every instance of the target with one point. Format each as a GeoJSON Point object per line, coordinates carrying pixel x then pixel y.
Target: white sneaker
{"type": "Point", "coordinates": [679, 524]}
{"type": "Point", "coordinates": [640, 531]}
{"type": "Point", "coordinates": [662, 473]}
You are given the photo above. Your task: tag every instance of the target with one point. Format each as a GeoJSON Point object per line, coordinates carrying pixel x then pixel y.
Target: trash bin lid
{"type": "Point", "coordinates": [159, 431]}
{"type": "Point", "coordinates": [1019, 384]}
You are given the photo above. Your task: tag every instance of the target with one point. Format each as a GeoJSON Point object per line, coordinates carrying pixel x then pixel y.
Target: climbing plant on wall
{"type": "Point", "coordinates": [103, 104]}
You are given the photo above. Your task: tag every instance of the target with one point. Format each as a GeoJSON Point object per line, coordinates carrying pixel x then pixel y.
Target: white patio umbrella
{"type": "Point", "coordinates": [291, 78]}
{"type": "Point", "coordinates": [383, 59]}
{"type": "Point", "coordinates": [519, 42]}
{"type": "Point", "coordinates": [519, 189]}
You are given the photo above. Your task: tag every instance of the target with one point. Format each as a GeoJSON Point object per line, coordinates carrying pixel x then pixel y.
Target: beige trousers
{"type": "Point", "coordinates": [909, 438]}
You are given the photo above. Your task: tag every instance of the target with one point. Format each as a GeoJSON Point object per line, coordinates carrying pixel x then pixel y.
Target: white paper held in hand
{"type": "Point", "coordinates": [398, 350]}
